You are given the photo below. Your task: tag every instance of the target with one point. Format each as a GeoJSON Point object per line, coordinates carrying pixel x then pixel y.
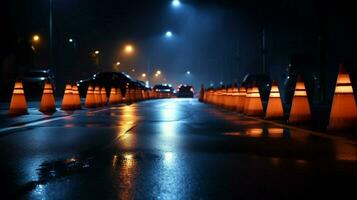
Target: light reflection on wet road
{"type": "Point", "coordinates": [171, 149]}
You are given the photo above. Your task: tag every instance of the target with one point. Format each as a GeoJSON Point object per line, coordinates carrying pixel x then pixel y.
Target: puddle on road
{"type": "Point", "coordinates": [261, 133]}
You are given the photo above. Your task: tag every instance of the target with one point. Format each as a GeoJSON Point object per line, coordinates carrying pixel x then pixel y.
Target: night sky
{"type": "Point", "coordinates": [215, 40]}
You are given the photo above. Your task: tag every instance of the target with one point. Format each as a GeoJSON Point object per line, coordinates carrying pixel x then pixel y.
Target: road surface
{"type": "Point", "coordinates": [169, 149]}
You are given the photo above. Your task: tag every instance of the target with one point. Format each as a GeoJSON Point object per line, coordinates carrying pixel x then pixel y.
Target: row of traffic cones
{"type": "Point", "coordinates": [95, 97]}
{"type": "Point", "coordinates": [343, 111]}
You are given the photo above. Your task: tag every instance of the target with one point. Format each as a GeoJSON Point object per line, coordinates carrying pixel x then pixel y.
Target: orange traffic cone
{"type": "Point", "coordinates": [90, 98]}
{"type": "Point", "coordinates": [97, 96]}
{"type": "Point", "coordinates": [47, 104]}
{"type": "Point", "coordinates": [103, 93]}
{"type": "Point", "coordinates": [275, 106]}
{"type": "Point", "coordinates": [119, 96]}
{"type": "Point", "coordinates": [113, 97]}
{"type": "Point", "coordinates": [247, 98]}
{"type": "Point", "coordinates": [241, 99]}
{"type": "Point", "coordinates": [76, 97]}
{"type": "Point", "coordinates": [18, 105]}
{"type": "Point", "coordinates": [300, 108]}
{"type": "Point", "coordinates": [255, 106]}
{"type": "Point", "coordinates": [344, 110]}
{"type": "Point", "coordinates": [67, 101]}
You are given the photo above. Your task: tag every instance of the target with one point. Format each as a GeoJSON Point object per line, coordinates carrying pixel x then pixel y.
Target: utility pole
{"type": "Point", "coordinates": [322, 52]}
{"type": "Point", "coordinates": [264, 67]}
{"type": "Point", "coordinates": [51, 36]}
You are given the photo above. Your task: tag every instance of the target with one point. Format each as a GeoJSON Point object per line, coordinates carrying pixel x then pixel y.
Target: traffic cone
{"type": "Point", "coordinates": [241, 99]}
{"type": "Point", "coordinates": [103, 94]}
{"type": "Point", "coordinates": [68, 101]}
{"type": "Point", "coordinates": [247, 98]}
{"type": "Point", "coordinates": [119, 96]}
{"type": "Point", "coordinates": [47, 104]}
{"type": "Point", "coordinates": [97, 96]}
{"type": "Point", "coordinates": [18, 105]}
{"type": "Point", "coordinates": [127, 96]}
{"type": "Point", "coordinates": [113, 97]}
{"type": "Point", "coordinates": [255, 106]}
{"type": "Point", "coordinates": [90, 99]}
{"type": "Point", "coordinates": [300, 109]}
{"type": "Point", "coordinates": [132, 95]}
{"type": "Point", "coordinates": [275, 106]}
{"type": "Point", "coordinates": [234, 98]}
{"type": "Point", "coordinates": [344, 110]}
{"type": "Point", "coordinates": [76, 97]}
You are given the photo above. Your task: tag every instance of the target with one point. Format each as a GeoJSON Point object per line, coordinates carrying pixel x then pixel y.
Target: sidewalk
{"type": "Point", "coordinates": [33, 116]}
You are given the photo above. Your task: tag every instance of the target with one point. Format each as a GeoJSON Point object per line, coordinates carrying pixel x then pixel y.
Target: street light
{"type": "Point", "coordinates": [36, 38]}
{"type": "Point", "coordinates": [176, 3]}
{"type": "Point", "coordinates": [128, 49]}
{"type": "Point", "coordinates": [168, 34]}
{"type": "Point", "coordinates": [70, 40]}
{"type": "Point", "coordinates": [143, 75]}
{"type": "Point", "coordinates": [96, 52]}
{"type": "Point", "coordinates": [158, 72]}
{"type": "Point", "coordinates": [188, 72]}
{"type": "Point", "coordinates": [117, 63]}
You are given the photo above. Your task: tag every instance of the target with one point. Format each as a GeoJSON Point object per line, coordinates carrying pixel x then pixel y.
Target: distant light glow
{"type": "Point", "coordinates": [168, 34]}
{"type": "Point", "coordinates": [36, 38]}
{"type": "Point", "coordinates": [70, 40]}
{"type": "Point", "coordinates": [117, 64]}
{"type": "Point", "coordinates": [129, 48]}
{"type": "Point", "coordinates": [176, 3]}
{"type": "Point", "coordinates": [158, 72]}
{"type": "Point", "coordinates": [188, 72]}
{"type": "Point", "coordinates": [143, 75]}
{"type": "Point", "coordinates": [96, 52]}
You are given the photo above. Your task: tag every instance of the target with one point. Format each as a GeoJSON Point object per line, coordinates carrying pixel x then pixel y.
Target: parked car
{"type": "Point", "coordinates": [107, 80]}
{"type": "Point", "coordinates": [164, 88]}
{"type": "Point", "coordinates": [263, 81]}
{"type": "Point", "coordinates": [185, 91]}
{"type": "Point", "coordinates": [34, 81]}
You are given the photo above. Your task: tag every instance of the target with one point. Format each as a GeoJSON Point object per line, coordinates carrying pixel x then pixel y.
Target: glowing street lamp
{"type": "Point", "coordinates": [188, 72]}
{"type": "Point", "coordinates": [117, 63]}
{"type": "Point", "coordinates": [176, 3]}
{"type": "Point", "coordinates": [158, 72]}
{"type": "Point", "coordinates": [168, 34]}
{"type": "Point", "coordinates": [96, 52]}
{"type": "Point", "coordinates": [70, 40]}
{"type": "Point", "coordinates": [128, 49]}
{"type": "Point", "coordinates": [143, 75]}
{"type": "Point", "coordinates": [36, 38]}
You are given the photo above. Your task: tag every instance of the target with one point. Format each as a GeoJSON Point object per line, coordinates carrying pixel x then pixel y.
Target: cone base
{"type": "Point", "coordinates": [17, 112]}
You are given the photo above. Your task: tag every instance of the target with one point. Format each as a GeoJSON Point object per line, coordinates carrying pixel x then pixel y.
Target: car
{"type": "Point", "coordinates": [164, 88]}
{"type": "Point", "coordinates": [185, 91]}
{"type": "Point", "coordinates": [107, 80]}
{"type": "Point", "coordinates": [262, 80]}
{"type": "Point", "coordinates": [34, 81]}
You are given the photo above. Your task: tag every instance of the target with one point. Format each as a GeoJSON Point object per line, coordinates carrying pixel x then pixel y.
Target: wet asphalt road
{"type": "Point", "coordinates": [171, 149]}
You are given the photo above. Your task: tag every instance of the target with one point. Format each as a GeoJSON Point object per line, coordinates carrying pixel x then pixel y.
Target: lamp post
{"type": "Point", "coordinates": [51, 36]}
